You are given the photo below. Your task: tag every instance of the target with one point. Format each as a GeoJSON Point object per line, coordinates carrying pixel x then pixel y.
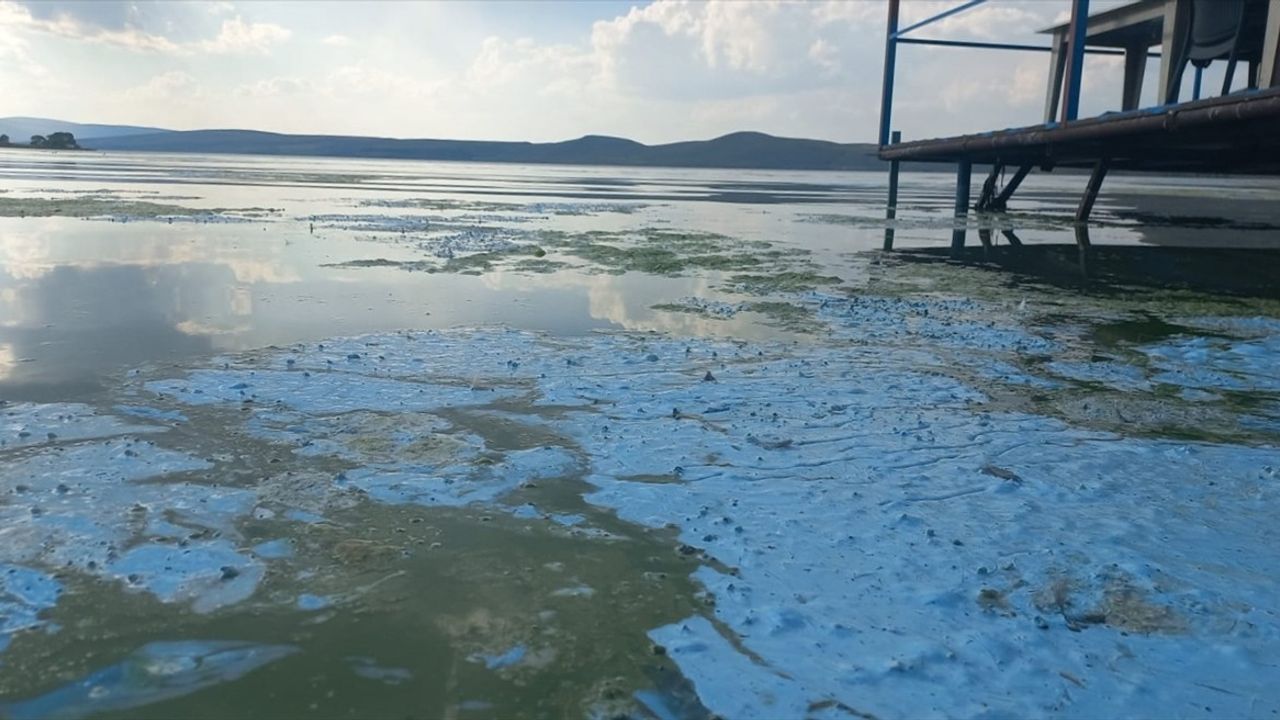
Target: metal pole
{"type": "Point", "coordinates": [1002, 200]}
{"type": "Point", "coordinates": [1091, 191]}
{"type": "Point", "coordinates": [1075, 58]}
{"type": "Point", "coordinates": [1083, 247]}
{"type": "Point", "coordinates": [964, 172]}
{"type": "Point", "coordinates": [1195, 88]}
{"type": "Point", "coordinates": [1009, 46]}
{"type": "Point", "coordinates": [890, 60]}
{"type": "Point", "coordinates": [940, 16]}
{"type": "Point", "coordinates": [988, 193]}
{"type": "Point", "coordinates": [891, 212]}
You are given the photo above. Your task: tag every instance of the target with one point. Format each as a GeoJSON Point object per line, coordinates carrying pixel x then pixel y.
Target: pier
{"type": "Point", "coordinates": [1231, 133]}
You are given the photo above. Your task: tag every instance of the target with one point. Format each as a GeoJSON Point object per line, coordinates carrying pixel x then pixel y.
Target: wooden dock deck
{"type": "Point", "coordinates": [1237, 133]}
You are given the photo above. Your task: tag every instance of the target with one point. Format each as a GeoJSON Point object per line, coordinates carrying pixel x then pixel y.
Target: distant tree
{"type": "Point", "coordinates": [38, 141]}
{"type": "Point", "coordinates": [4, 139]}
{"type": "Point", "coordinates": [61, 140]}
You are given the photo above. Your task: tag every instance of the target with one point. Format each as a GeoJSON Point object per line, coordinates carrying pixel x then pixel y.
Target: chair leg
{"type": "Point", "coordinates": [1175, 84]}
{"type": "Point", "coordinates": [1235, 54]}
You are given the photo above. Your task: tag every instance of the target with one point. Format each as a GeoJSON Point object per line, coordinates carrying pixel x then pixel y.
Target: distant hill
{"type": "Point", "coordinates": [20, 129]}
{"type": "Point", "coordinates": [746, 150]}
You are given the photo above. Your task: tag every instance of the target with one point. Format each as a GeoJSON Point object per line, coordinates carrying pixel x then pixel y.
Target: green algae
{"type": "Point", "coordinates": [669, 253]}
{"type": "Point", "coordinates": [1161, 412]}
{"type": "Point", "coordinates": [94, 206]}
{"type": "Point", "coordinates": [788, 281]}
{"type": "Point", "coordinates": [1058, 290]}
{"type": "Point", "coordinates": [442, 204]}
{"type": "Point", "coordinates": [376, 262]}
{"type": "Point", "coordinates": [531, 260]}
{"type": "Point", "coordinates": [1099, 322]}
{"type": "Point", "coordinates": [688, 310]}
{"type": "Point", "coordinates": [1143, 328]}
{"type": "Point", "coordinates": [540, 266]}
{"type": "Point", "coordinates": [480, 263]}
{"type": "Point", "coordinates": [447, 204]}
{"type": "Point", "coordinates": [788, 316]}
{"type": "Point", "coordinates": [774, 313]}
{"type": "Point", "coordinates": [652, 251]}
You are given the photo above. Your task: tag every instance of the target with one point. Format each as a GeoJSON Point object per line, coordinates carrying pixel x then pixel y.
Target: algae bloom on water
{"type": "Point", "coordinates": [565, 443]}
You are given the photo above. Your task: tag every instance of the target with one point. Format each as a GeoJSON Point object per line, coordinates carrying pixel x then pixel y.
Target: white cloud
{"type": "Point", "coordinates": [363, 79]}
{"type": "Point", "coordinates": [554, 69]}
{"type": "Point", "coordinates": [172, 85]}
{"type": "Point", "coordinates": [234, 36]}
{"type": "Point", "coordinates": [338, 41]}
{"type": "Point", "coordinates": [677, 49]}
{"type": "Point", "coordinates": [15, 53]}
{"type": "Point", "coordinates": [276, 87]}
{"type": "Point", "coordinates": [17, 17]}
{"type": "Point", "coordinates": [238, 36]}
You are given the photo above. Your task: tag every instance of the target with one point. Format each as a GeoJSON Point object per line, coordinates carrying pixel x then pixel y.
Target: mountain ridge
{"type": "Point", "coordinates": [737, 150]}
{"type": "Point", "coordinates": [21, 128]}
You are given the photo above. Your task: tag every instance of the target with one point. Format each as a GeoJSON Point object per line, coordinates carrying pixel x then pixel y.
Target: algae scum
{"type": "Point", "coordinates": [834, 486]}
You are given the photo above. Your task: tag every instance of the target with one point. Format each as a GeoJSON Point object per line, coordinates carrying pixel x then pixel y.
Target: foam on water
{"type": "Point", "coordinates": [26, 424]}
{"type": "Point", "coordinates": [24, 593]}
{"type": "Point", "coordinates": [876, 537]}
{"type": "Point", "coordinates": [155, 672]}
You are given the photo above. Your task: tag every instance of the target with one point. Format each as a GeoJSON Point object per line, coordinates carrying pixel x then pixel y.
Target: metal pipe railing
{"type": "Point", "coordinates": [893, 36]}
{"type": "Point", "coordinates": [890, 61]}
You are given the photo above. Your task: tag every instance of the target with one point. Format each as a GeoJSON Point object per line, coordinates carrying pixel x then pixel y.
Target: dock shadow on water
{"type": "Point", "coordinates": [1118, 269]}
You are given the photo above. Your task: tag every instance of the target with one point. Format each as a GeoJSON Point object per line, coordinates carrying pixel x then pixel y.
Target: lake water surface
{"type": "Point", "coordinates": [350, 438]}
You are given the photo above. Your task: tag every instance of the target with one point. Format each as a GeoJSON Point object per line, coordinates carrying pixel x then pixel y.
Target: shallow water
{"type": "Point", "coordinates": [84, 298]}
{"type": "Point", "coordinates": [711, 456]}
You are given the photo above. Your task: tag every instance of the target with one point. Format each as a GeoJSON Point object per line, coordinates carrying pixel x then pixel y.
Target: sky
{"type": "Point", "coordinates": [659, 71]}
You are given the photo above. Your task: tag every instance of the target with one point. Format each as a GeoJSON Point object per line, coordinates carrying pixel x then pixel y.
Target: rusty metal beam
{"type": "Point", "coordinates": [1002, 200]}
{"type": "Point", "coordinates": [1167, 128]}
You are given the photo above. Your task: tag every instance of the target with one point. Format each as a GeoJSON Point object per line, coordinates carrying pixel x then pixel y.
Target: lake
{"type": "Point", "coordinates": [351, 438]}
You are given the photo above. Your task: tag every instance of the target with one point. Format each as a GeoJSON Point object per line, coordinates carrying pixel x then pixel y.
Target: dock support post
{"type": "Point", "coordinates": [1002, 200]}
{"type": "Point", "coordinates": [1091, 191]}
{"type": "Point", "coordinates": [1083, 248]}
{"type": "Point", "coordinates": [964, 174]}
{"type": "Point", "coordinates": [988, 194]}
{"type": "Point", "coordinates": [890, 61]}
{"type": "Point", "coordinates": [891, 211]}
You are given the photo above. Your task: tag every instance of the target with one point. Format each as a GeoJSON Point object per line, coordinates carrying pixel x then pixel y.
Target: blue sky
{"type": "Point", "coordinates": [655, 71]}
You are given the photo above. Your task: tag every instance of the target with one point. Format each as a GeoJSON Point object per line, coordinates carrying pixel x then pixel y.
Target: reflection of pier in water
{"type": "Point", "coordinates": [1107, 269]}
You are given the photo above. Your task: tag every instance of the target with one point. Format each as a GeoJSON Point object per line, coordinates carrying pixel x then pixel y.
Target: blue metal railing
{"type": "Point", "coordinates": [894, 36]}
{"type": "Point", "coordinates": [939, 16]}
{"type": "Point", "coordinates": [1075, 61]}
